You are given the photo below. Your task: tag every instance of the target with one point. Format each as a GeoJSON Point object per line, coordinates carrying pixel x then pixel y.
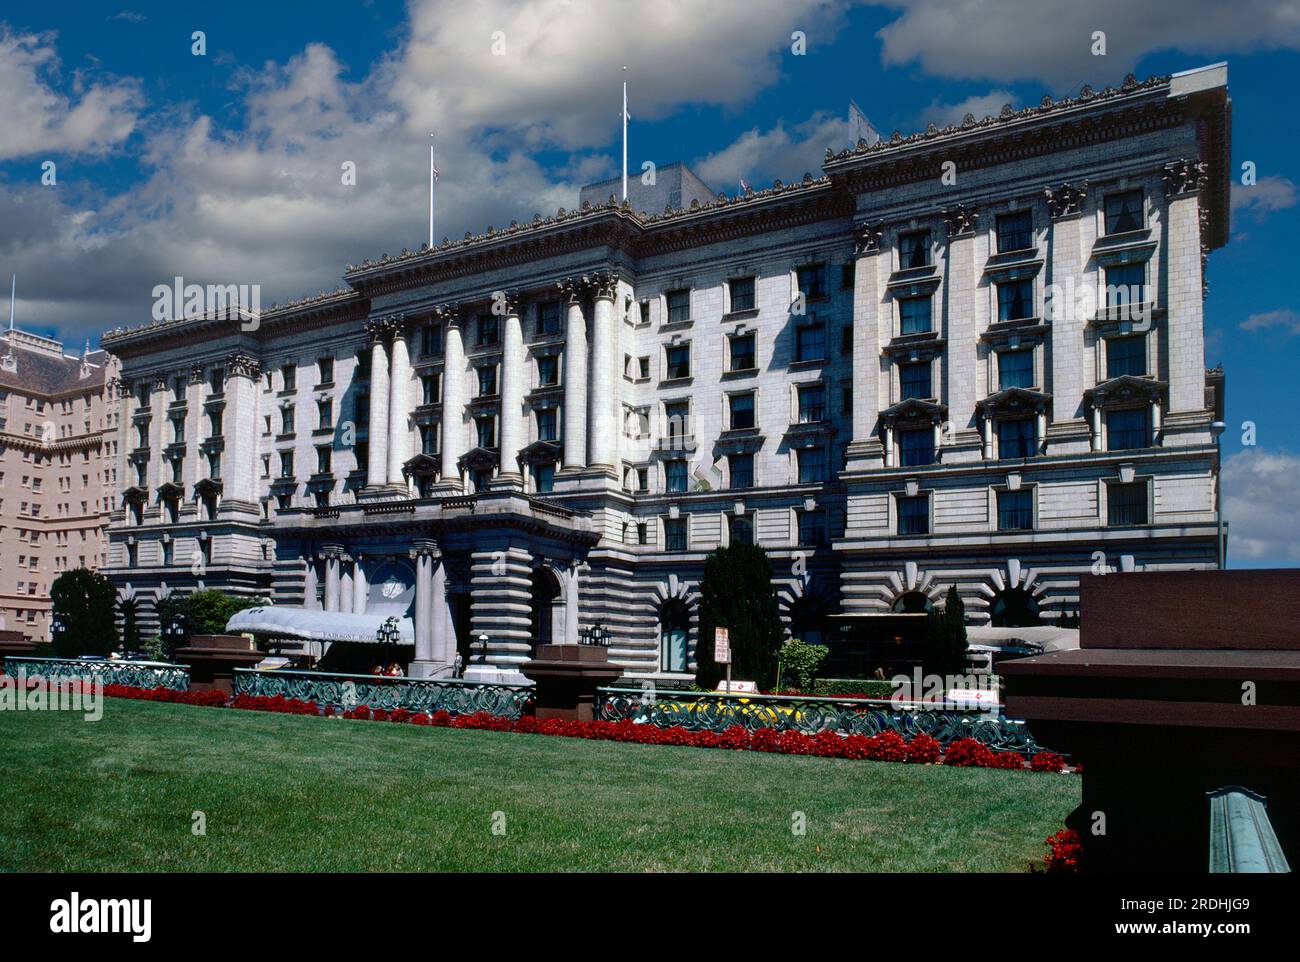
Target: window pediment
{"type": "Point", "coordinates": [207, 486]}
{"type": "Point", "coordinates": [1123, 390]}
{"type": "Point", "coordinates": [540, 452]}
{"type": "Point", "coordinates": [1014, 401]}
{"type": "Point", "coordinates": [914, 410]}
{"type": "Point", "coordinates": [421, 466]}
{"type": "Point", "coordinates": [478, 459]}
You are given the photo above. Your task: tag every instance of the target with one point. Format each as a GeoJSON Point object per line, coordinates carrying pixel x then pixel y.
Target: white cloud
{"type": "Point", "coordinates": [36, 118]}
{"type": "Point", "coordinates": [262, 201]}
{"type": "Point", "coordinates": [1284, 318]}
{"type": "Point", "coordinates": [1262, 506]}
{"type": "Point", "coordinates": [1027, 39]}
{"type": "Point", "coordinates": [763, 156]}
{"type": "Point", "coordinates": [1269, 194]}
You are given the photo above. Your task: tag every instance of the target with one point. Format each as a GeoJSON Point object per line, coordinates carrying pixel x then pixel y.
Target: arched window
{"type": "Point", "coordinates": [913, 602]}
{"type": "Point", "coordinates": [674, 632]}
{"type": "Point", "coordinates": [543, 608]}
{"type": "Point", "coordinates": [1014, 608]}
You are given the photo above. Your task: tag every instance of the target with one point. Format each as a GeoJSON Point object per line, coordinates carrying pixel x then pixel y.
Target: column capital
{"type": "Point", "coordinates": [570, 289]}
{"type": "Point", "coordinates": [240, 364]}
{"type": "Point", "coordinates": [425, 548]}
{"type": "Point", "coordinates": [331, 552]}
{"type": "Point", "coordinates": [602, 285]}
{"type": "Point", "coordinates": [1065, 200]}
{"type": "Point", "coordinates": [386, 327]}
{"type": "Point", "coordinates": [960, 220]}
{"type": "Point", "coordinates": [449, 314]}
{"type": "Point", "coordinates": [507, 303]}
{"type": "Point", "coordinates": [1184, 177]}
{"type": "Point", "coordinates": [866, 238]}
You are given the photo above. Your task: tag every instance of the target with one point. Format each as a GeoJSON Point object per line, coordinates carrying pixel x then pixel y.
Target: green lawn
{"type": "Point", "coordinates": [311, 794]}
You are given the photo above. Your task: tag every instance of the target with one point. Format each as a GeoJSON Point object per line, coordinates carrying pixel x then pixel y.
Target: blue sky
{"type": "Point", "coordinates": [225, 167]}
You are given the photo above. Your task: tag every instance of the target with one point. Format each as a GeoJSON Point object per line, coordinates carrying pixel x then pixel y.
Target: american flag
{"type": "Point", "coordinates": [744, 187]}
{"type": "Point", "coordinates": [434, 171]}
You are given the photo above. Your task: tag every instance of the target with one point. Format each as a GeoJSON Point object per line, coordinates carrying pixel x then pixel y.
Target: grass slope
{"type": "Point", "coordinates": [308, 794]}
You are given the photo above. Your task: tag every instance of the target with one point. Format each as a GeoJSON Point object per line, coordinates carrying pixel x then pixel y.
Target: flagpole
{"type": "Point", "coordinates": [625, 138]}
{"type": "Point", "coordinates": [13, 289]}
{"type": "Point", "coordinates": [430, 191]}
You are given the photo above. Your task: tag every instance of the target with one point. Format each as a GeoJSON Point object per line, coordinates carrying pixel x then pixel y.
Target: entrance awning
{"type": "Point", "coordinates": [283, 621]}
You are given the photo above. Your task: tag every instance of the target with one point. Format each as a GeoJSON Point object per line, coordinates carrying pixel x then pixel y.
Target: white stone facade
{"type": "Point", "coordinates": [539, 388]}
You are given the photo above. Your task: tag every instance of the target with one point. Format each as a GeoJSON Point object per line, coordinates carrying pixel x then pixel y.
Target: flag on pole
{"type": "Point", "coordinates": [433, 177]}
{"type": "Point", "coordinates": [625, 138]}
{"type": "Point", "coordinates": [744, 187]}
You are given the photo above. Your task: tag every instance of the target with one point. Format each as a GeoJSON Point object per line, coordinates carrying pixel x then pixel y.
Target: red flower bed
{"type": "Point", "coordinates": [1064, 849]}
{"type": "Point", "coordinates": [888, 746]}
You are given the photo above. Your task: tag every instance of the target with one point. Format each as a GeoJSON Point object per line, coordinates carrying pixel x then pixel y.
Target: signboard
{"type": "Point", "coordinates": [741, 687]}
{"type": "Point", "coordinates": [721, 646]}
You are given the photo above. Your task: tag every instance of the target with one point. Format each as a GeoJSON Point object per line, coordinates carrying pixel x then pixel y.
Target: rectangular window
{"type": "Point", "coordinates": [546, 425]}
{"type": "Point", "coordinates": [1015, 369]}
{"type": "Point", "coordinates": [677, 415]}
{"type": "Point", "coordinates": [1126, 355]}
{"type": "Point", "coordinates": [486, 429]}
{"type": "Point", "coordinates": [1015, 232]}
{"type": "Point", "coordinates": [429, 389]}
{"type": "Point", "coordinates": [286, 420]}
{"type": "Point", "coordinates": [214, 466]}
{"type": "Point", "coordinates": [431, 339]}
{"type": "Point", "coordinates": [741, 469]}
{"type": "Point", "coordinates": [1015, 438]}
{"type": "Point", "coordinates": [812, 280]}
{"type": "Point", "coordinates": [741, 528]}
{"type": "Point", "coordinates": [324, 458]}
{"type": "Point", "coordinates": [812, 528]}
{"type": "Point", "coordinates": [742, 294]}
{"type": "Point", "coordinates": [916, 380]}
{"type": "Point", "coordinates": [548, 370]}
{"type": "Point", "coordinates": [1128, 428]}
{"type": "Point", "coordinates": [1127, 503]}
{"type": "Point", "coordinates": [916, 447]}
{"type": "Point", "coordinates": [914, 250]}
{"type": "Point", "coordinates": [742, 352]}
{"type": "Point", "coordinates": [1015, 300]}
{"type": "Point", "coordinates": [325, 413]}
{"type": "Point", "coordinates": [488, 330]}
{"type": "Point", "coordinates": [217, 379]}
{"type": "Point", "coordinates": [214, 423]}
{"type": "Point", "coordinates": [675, 534]}
{"type": "Point", "coordinates": [810, 342]}
{"type": "Point", "coordinates": [1125, 285]}
{"type": "Point", "coordinates": [289, 377]}
{"type": "Point", "coordinates": [678, 359]}
{"type": "Point", "coordinates": [544, 478]}
{"type": "Point", "coordinates": [741, 407]}
{"type": "Point", "coordinates": [1124, 212]}
{"type": "Point", "coordinates": [487, 381]}
{"type": "Point", "coordinates": [428, 440]}
{"type": "Point", "coordinates": [812, 465]}
{"type": "Point", "coordinates": [679, 306]}
{"type": "Point", "coordinates": [325, 370]}
{"type": "Point", "coordinates": [914, 515]}
{"type": "Point", "coordinates": [675, 476]}
{"type": "Point", "coordinates": [645, 312]}
{"type": "Point", "coordinates": [914, 315]}
{"type": "Point", "coordinates": [812, 403]}
{"type": "Point", "coordinates": [548, 318]}
{"type": "Point", "coordinates": [1015, 510]}
{"type": "Point", "coordinates": [847, 272]}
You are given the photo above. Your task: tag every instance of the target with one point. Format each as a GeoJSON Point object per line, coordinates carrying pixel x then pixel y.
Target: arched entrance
{"type": "Point", "coordinates": [546, 611]}
{"type": "Point", "coordinates": [674, 635]}
{"type": "Point", "coordinates": [913, 603]}
{"type": "Point", "coordinates": [1014, 608]}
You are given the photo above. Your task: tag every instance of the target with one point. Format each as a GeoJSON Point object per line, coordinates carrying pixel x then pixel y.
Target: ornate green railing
{"type": "Point", "coordinates": [710, 711]}
{"type": "Point", "coordinates": [420, 695]}
{"type": "Point", "coordinates": [139, 674]}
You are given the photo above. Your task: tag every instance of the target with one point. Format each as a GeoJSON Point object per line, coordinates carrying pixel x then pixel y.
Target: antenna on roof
{"type": "Point", "coordinates": [13, 287]}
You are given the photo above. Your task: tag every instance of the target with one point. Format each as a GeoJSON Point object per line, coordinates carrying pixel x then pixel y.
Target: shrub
{"type": "Point", "coordinates": [923, 749]}
{"type": "Point", "coordinates": [83, 603]}
{"type": "Point", "coordinates": [799, 662]}
{"type": "Point", "coordinates": [736, 592]}
{"type": "Point", "coordinates": [968, 753]}
{"type": "Point", "coordinates": [1047, 762]}
{"type": "Point", "coordinates": [1064, 851]}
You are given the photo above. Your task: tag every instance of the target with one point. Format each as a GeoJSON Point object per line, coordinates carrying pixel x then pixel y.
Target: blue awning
{"type": "Point", "coordinates": [283, 621]}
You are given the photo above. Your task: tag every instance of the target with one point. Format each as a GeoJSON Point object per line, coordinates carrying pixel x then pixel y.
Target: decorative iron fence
{"type": "Point", "coordinates": [139, 674]}
{"type": "Point", "coordinates": [419, 695]}
{"type": "Point", "coordinates": [710, 711]}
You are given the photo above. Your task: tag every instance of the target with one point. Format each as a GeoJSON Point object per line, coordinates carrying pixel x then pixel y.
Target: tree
{"type": "Point", "coordinates": [945, 637]}
{"type": "Point", "coordinates": [83, 609]}
{"type": "Point", "coordinates": [736, 593]}
{"type": "Point", "coordinates": [205, 612]}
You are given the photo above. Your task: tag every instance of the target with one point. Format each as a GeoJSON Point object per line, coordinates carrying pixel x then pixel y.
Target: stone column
{"type": "Point", "coordinates": [358, 586]}
{"type": "Point", "coordinates": [309, 600]}
{"type": "Point", "coordinates": [453, 395]}
{"type": "Point", "coordinates": [239, 459]}
{"type": "Point", "coordinates": [398, 408]}
{"type": "Point", "coordinates": [961, 315]}
{"type": "Point", "coordinates": [332, 559]}
{"type": "Point", "coordinates": [601, 419]}
{"type": "Point", "coordinates": [444, 630]}
{"type": "Point", "coordinates": [513, 388]}
{"type": "Point", "coordinates": [865, 447]}
{"type": "Point", "coordinates": [423, 554]}
{"type": "Point", "coordinates": [571, 610]}
{"type": "Point", "coordinates": [575, 378]}
{"type": "Point", "coordinates": [377, 463]}
{"type": "Point", "coordinates": [1184, 287]}
{"type": "Point", "coordinates": [345, 586]}
{"type": "Point", "coordinates": [1071, 238]}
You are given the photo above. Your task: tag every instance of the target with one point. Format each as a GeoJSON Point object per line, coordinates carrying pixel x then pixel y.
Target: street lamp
{"type": "Point", "coordinates": [388, 635]}
{"type": "Point", "coordinates": [57, 628]}
{"type": "Point", "coordinates": [597, 635]}
{"type": "Point", "coordinates": [1216, 431]}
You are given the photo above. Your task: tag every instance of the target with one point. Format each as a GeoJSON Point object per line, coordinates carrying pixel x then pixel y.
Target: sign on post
{"type": "Point", "coordinates": [721, 646]}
